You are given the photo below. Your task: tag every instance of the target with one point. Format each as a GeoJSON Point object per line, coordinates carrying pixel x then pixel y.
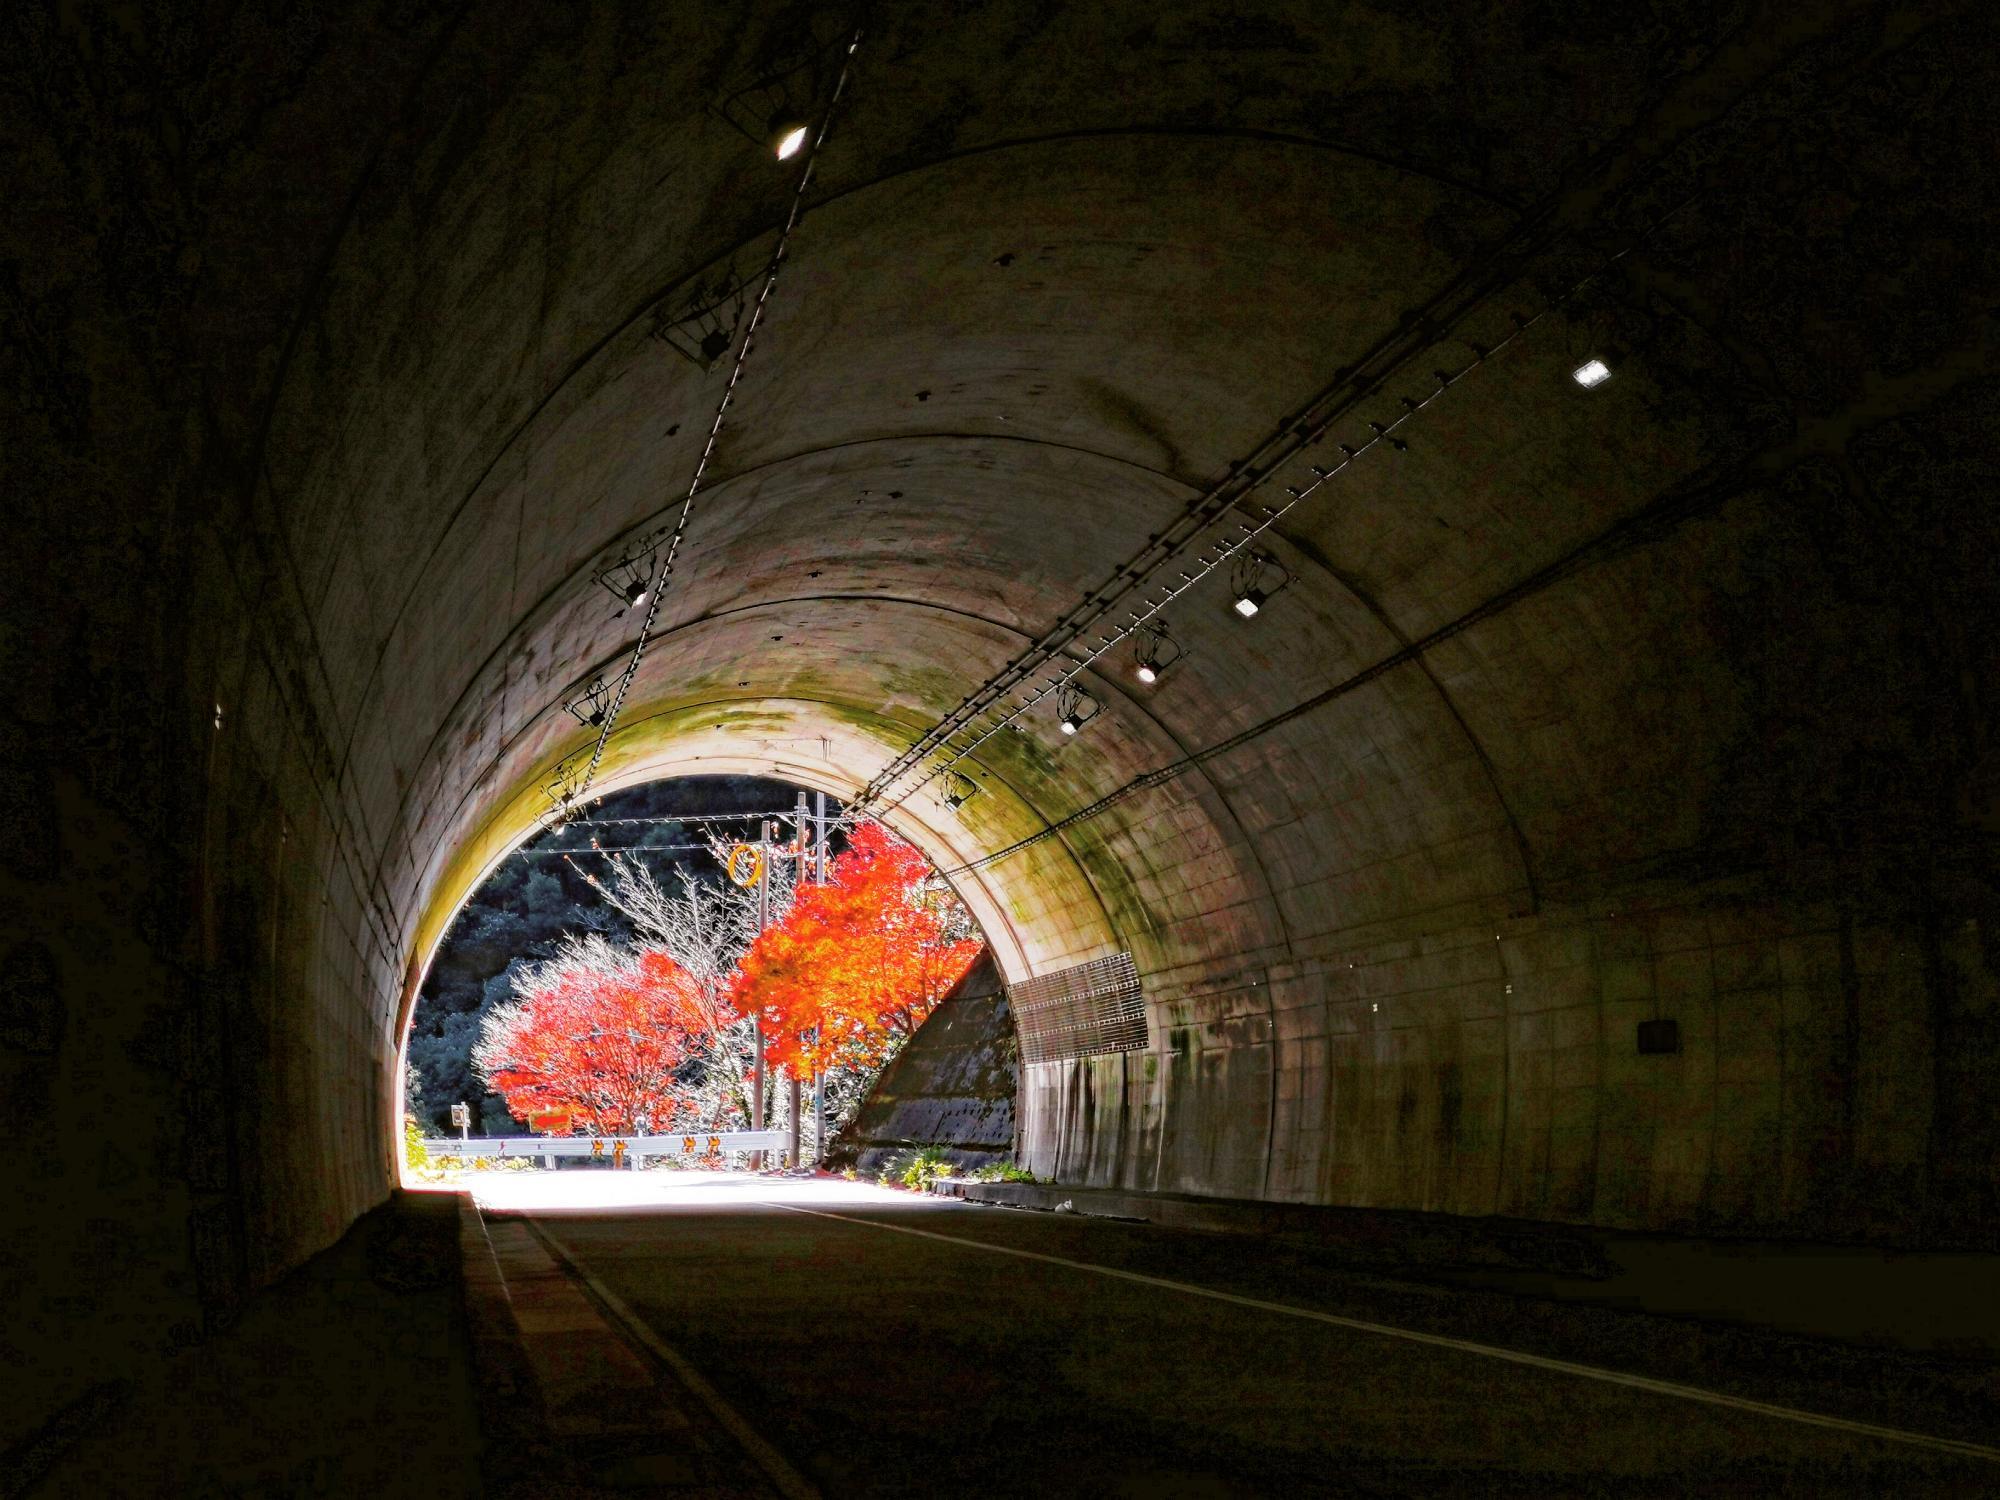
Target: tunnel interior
{"type": "Point", "coordinates": [1568, 709]}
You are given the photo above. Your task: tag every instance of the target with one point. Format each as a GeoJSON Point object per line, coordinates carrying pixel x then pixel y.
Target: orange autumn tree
{"type": "Point", "coordinates": [599, 1034]}
{"type": "Point", "coordinates": [857, 964]}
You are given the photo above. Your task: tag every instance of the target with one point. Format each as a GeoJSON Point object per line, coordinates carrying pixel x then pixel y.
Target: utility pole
{"type": "Point", "coordinates": [819, 1073]}
{"type": "Point", "coordinates": [819, 843]}
{"type": "Point", "coordinates": [763, 916]}
{"type": "Point", "coordinates": [792, 1158]}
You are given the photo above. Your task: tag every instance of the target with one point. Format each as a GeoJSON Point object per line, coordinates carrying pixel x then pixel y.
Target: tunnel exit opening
{"type": "Point", "coordinates": [591, 1002]}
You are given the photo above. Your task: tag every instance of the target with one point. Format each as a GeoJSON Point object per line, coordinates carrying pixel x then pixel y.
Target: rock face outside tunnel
{"type": "Point", "coordinates": [333, 349]}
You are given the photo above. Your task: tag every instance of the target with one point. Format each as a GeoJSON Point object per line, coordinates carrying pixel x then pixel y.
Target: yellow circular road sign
{"type": "Point", "coordinates": [746, 864]}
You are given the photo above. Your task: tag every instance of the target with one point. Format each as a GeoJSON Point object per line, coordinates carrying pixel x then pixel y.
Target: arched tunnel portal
{"type": "Point", "coordinates": [1579, 708]}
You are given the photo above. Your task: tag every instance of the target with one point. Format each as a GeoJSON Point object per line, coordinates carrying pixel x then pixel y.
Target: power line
{"type": "Point", "coordinates": [581, 822]}
{"type": "Point", "coordinates": [839, 823]}
{"type": "Point", "coordinates": [619, 849]}
{"type": "Point", "coordinates": [568, 795]}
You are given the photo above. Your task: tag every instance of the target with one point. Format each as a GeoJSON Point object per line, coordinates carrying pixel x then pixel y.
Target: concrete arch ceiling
{"type": "Point", "coordinates": [1061, 269]}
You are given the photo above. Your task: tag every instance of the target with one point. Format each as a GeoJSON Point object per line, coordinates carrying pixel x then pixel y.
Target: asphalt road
{"type": "Point", "coordinates": [886, 1344]}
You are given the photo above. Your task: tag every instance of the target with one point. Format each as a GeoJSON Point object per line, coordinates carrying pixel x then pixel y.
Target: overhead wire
{"type": "Point", "coordinates": [661, 818]}
{"type": "Point", "coordinates": [663, 573]}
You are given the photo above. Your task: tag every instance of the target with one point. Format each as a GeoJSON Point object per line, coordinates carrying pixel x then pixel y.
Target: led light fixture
{"type": "Point", "coordinates": [700, 321]}
{"type": "Point", "coordinates": [561, 791]}
{"type": "Point", "coordinates": [629, 577]}
{"type": "Point", "coordinates": [1075, 708]}
{"type": "Point", "coordinates": [1591, 373]}
{"type": "Point", "coordinates": [590, 707]}
{"type": "Point", "coordinates": [1255, 578]}
{"type": "Point", "coordinates": [1155, 650]}
{"type": "Point", "coordinates": [788, 134]}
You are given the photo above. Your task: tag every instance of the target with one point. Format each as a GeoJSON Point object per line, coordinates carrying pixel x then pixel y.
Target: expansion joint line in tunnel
{"type": "Point", "coordinates": [569, 790]}
{"type": "Point", "coordinates": [1169, 567]}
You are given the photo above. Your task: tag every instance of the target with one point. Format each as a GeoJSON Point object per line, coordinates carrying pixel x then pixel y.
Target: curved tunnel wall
{"type": "Point", "coordinates": [1586, 707]}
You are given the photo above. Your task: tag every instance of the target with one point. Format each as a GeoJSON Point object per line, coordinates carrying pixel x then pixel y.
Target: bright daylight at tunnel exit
{"type": "Point", "coordinates": [641, 977]}
{"type": "Point", "coordinates": [1170, 747]}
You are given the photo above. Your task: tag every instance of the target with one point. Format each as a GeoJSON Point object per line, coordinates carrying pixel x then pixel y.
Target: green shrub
{"type": "Point", "coordinates": [415, 1153]}
{"type": "Point", "coordinates": [926, 1167]}
{"type": "Point", "coordinates": [1003, 1171]}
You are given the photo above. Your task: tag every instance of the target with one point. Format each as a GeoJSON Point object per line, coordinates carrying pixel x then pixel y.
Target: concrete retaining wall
{"type": "Point", "coordinates": [951, 1086]}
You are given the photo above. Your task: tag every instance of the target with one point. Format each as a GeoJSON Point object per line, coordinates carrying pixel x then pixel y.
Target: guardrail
{"type": "Point", "coordinates": [613, 1148]}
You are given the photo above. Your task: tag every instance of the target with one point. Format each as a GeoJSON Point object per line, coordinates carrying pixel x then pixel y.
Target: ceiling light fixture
{"type": "Point", "coordinates": [1597, 353]}
{"type": "Point", "coordinates": [562, 791]}
{"type": "Point", "coordinates": [1076, 708]}
{"type": "Point", "coordinates": [1256, 577]}
{"type": "Point", "coordinates": [590, 706]}
{"type": "Point", "coordinates": [959, 789]}
{"type": "Point", "coordinates": [701, 319]}
{"type": "Point", "coordinates": [788, 134]}
{"type": "Point", "coordinates": [1155, 650]}
{"type": "Point", "coordinates": [629, 578]}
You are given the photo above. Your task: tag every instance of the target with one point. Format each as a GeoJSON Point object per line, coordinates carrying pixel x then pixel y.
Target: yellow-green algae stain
{"type": "Point", "coordinates": [1014, 771]}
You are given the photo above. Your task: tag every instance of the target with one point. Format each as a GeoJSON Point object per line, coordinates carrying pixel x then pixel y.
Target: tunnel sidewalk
{"type": "Point", "coordinates": [350, 1376]}
{"type": "Point", "coordinates": [1932, 1302]}
{"type": "Point", "coordinates": [575, 1399]}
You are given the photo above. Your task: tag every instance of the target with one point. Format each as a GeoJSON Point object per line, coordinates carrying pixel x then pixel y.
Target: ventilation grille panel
{"type": "Point", "coordinates": [1092, 1008]}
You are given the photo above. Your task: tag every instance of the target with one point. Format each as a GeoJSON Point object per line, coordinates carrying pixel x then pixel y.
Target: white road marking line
{"type": "Point", "coordinates": [1462, 1346]}
{"type": "Point", "coordinates": [790, 1482]}
{"type": "Point", "coordinates": [492, 1255]}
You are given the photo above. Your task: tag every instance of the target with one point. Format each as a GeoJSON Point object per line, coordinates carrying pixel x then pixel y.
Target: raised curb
{"type": "Point", "coordinates": [1383, 1237]}
{"type": "Point", "coordinates": [568, 1405]}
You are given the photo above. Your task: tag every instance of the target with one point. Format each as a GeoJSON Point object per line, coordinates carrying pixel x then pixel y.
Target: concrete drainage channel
{"type": "Point", "coordinates": [1035, 1196]}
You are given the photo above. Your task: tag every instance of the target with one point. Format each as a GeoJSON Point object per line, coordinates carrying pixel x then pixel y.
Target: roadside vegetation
{"type": "Point", "coordinates": [929, 1164]}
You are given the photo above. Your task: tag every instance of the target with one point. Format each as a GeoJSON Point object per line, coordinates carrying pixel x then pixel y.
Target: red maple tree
{"type": "Point", "coordinates": [857, 963]}
{"type": "Point", "coordinates": [598, 1036]}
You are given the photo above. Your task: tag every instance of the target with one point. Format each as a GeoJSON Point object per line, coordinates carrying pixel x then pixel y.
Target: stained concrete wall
{"type": "Point", "coordinates": [327, 343]}
{"type": "Point", "coordinates": [1832, 1080]}
{"type": "Point", "coordinates": [951, 1087]}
